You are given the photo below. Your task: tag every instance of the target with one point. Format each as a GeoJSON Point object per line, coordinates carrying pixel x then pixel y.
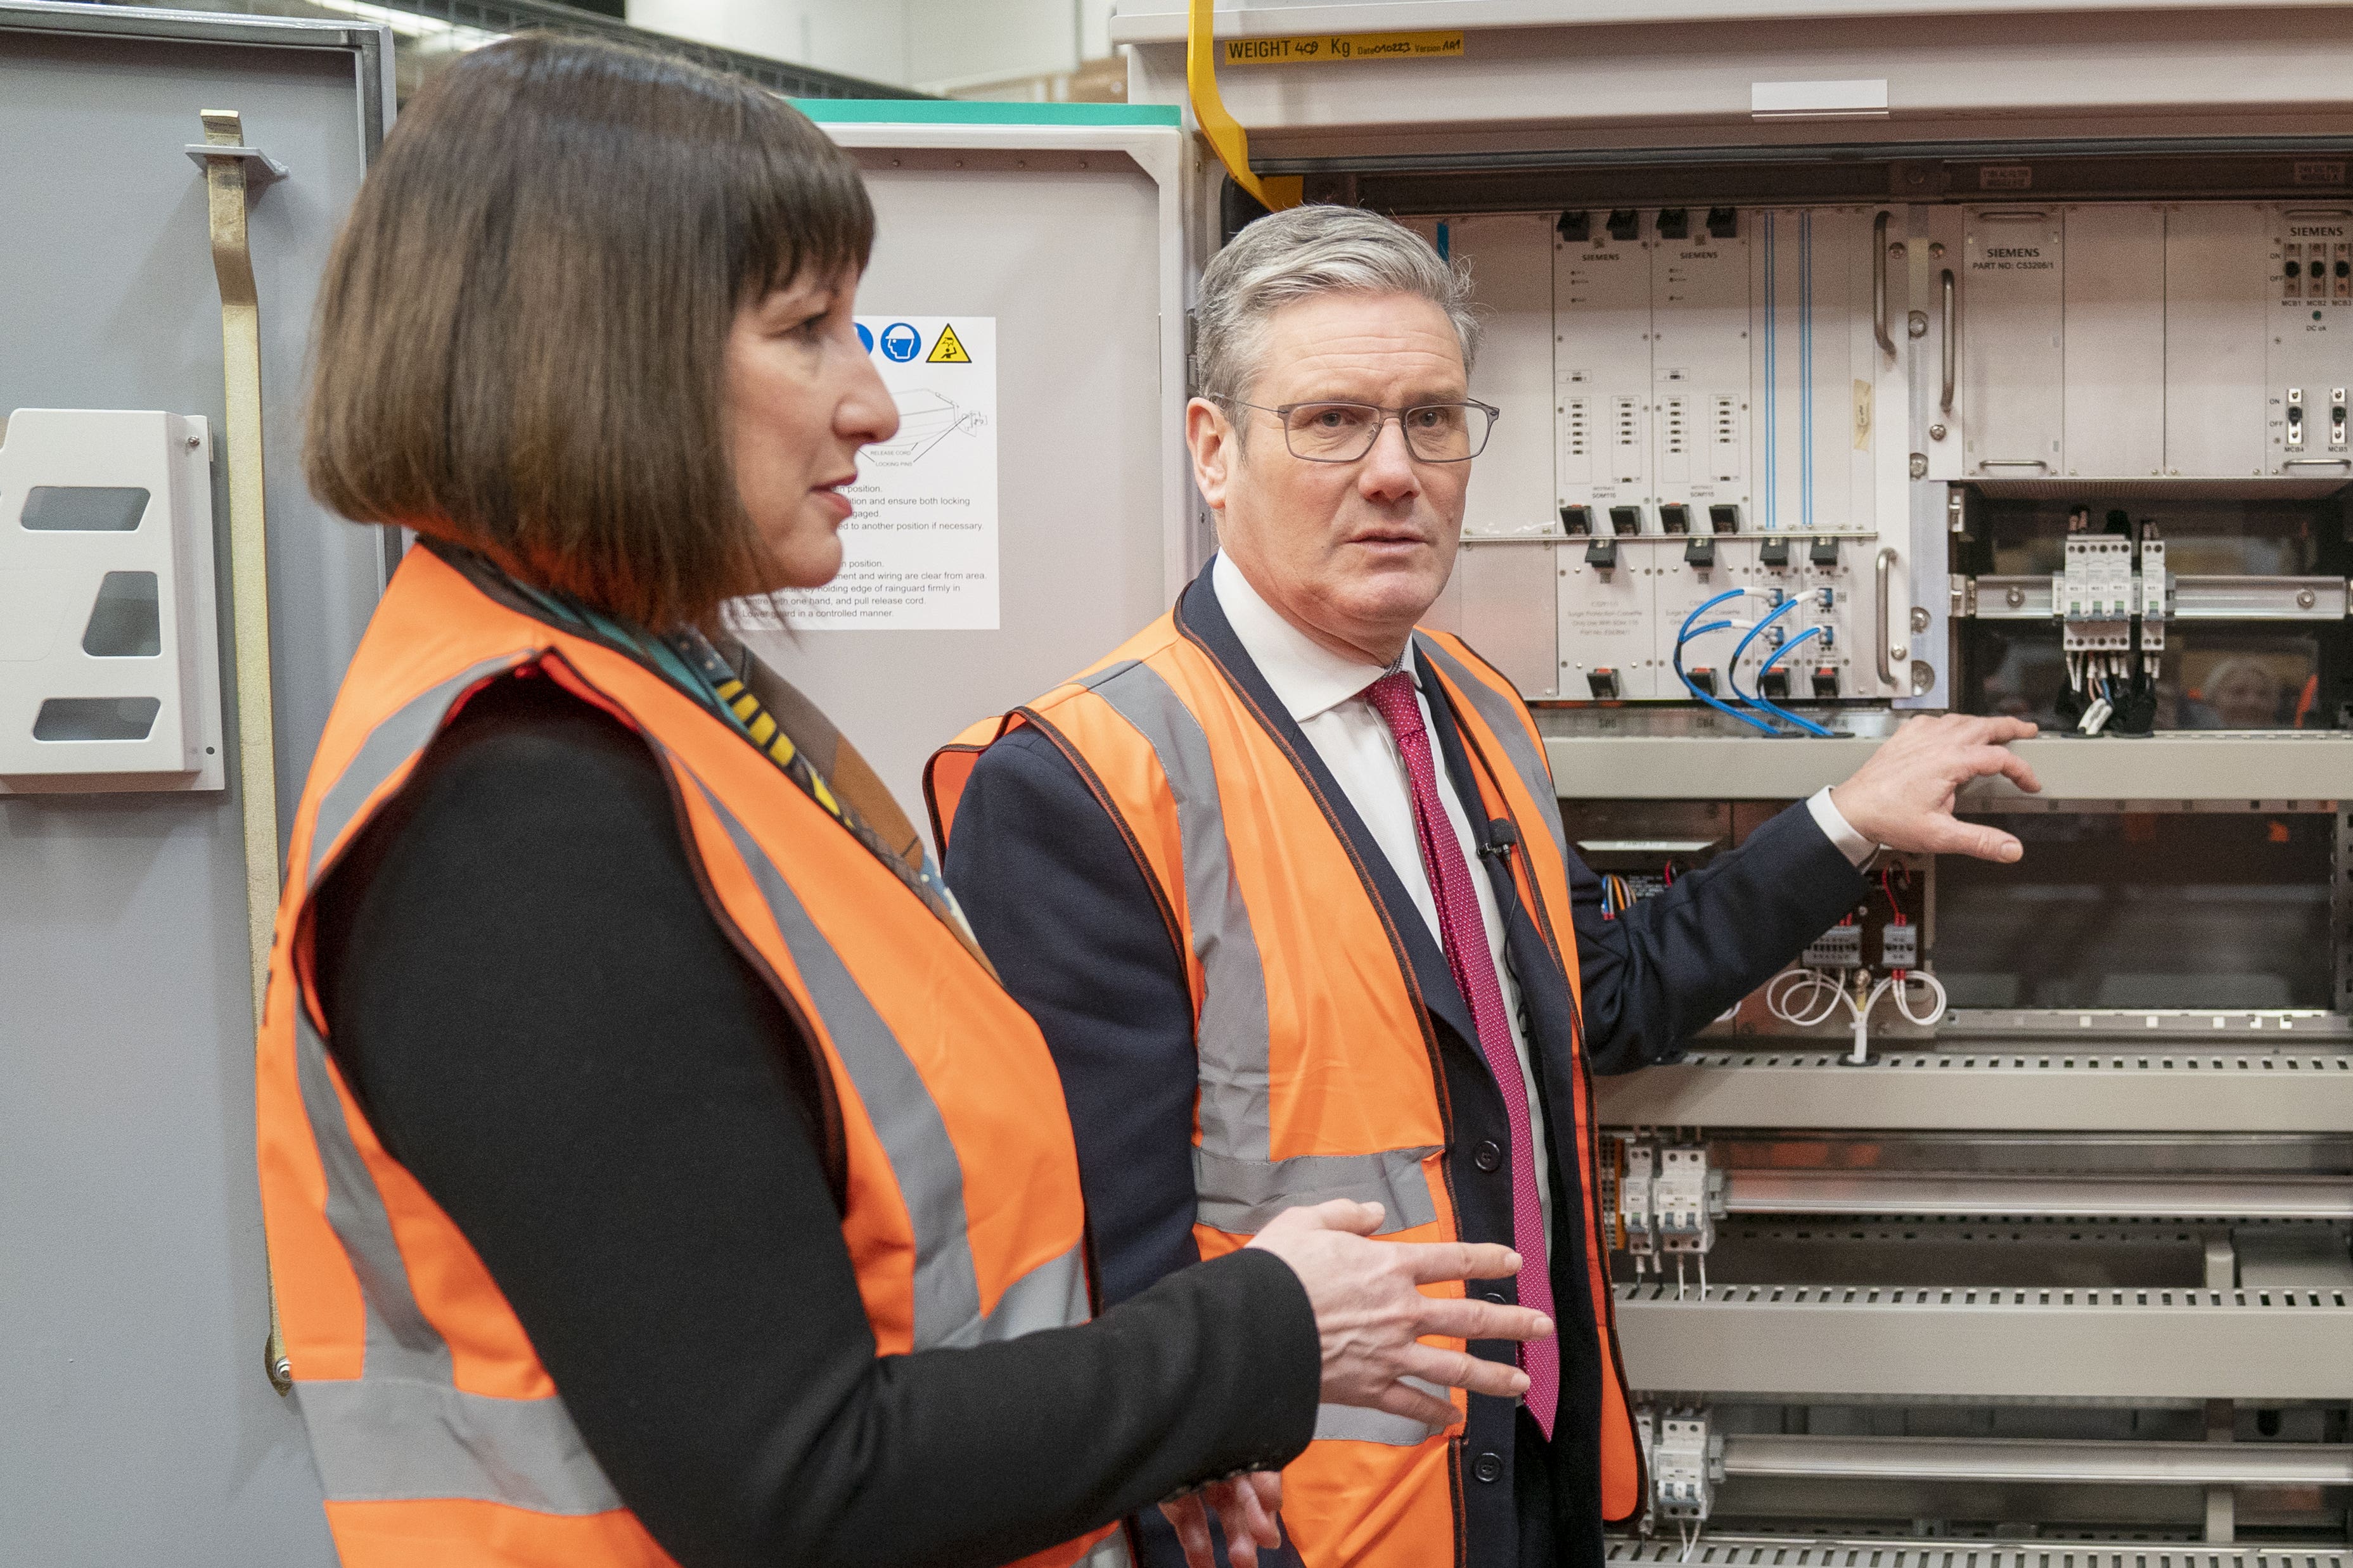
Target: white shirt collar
{"type": "Point", "coordinates": [1308, 678]}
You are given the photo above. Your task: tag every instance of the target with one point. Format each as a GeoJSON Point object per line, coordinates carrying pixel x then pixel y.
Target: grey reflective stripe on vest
{"type": "Point", "coordinates": [1238, 1186]}
{"type": "Point", "coordinates": [1353, 1423]}
{"type": "Point", "coordinates": [1110, 1551]}
{"type": "Point", "coordinates": [914, 1139]}
{"type": "Point", "coordinates": [384, 1439]}
{"type": "Point", "coordinates": [1501, 715]}
{"type": "Point", "coordinates": [1051, 1296]}
{"type": "Point", "coordinates": [403, 1430]}
{"type": "Point", "coordinates": [1249, 1193]}
{"type": "Point", "coordinates": [386, 751]}
{"type": "Point", "coordinates": [401, 1343]}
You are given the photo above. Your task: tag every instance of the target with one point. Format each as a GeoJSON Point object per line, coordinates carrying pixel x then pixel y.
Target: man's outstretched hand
{"type": "Point", "coordinates": [1903, 797]}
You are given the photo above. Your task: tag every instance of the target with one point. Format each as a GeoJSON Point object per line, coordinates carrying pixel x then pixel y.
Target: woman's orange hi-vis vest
{"type": "Point", "coordinates": [439, 1437]}
{"type": "Point", "coordinates": [1319, 1068]}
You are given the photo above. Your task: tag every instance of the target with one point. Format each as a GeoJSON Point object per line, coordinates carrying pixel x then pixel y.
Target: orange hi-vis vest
{"type": "Point", "coordinates": [439, 1437]}
{"type": "Point", "coordinates": [1319, 1073]}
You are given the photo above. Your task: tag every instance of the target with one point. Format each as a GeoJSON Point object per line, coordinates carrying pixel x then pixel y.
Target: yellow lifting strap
{"type": "Point", "coordinates": [256, 749]}
{"type": "Point", "coordinates": [1274, 192]}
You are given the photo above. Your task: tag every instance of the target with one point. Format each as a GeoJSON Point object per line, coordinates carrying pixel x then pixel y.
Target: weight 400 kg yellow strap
{"type": "Point", "coordinates": [257, 750]}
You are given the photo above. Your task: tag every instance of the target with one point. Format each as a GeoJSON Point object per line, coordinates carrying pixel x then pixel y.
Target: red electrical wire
{"type": "Point", "coordinates": [1887, 886]}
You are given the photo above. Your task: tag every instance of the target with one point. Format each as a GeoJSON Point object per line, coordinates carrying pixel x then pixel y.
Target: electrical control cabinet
{"type": "Point", "coordinates": [2011, 1224]}
{"type": "Point", "coordinates": [1714, 384]}
{"type": "Point", "coordinates": [1720, 397]}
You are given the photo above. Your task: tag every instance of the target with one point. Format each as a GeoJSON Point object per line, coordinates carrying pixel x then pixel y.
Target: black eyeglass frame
{"type": "Point", "coordinates": [1284, 412]}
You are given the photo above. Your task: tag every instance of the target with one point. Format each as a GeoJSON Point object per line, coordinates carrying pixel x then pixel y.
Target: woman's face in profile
{"type": "Point", "coordinates": [802, 398]}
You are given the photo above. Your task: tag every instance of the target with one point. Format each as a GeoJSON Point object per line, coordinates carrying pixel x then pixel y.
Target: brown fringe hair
{"type": "Point", "coordinates": [521, 336]}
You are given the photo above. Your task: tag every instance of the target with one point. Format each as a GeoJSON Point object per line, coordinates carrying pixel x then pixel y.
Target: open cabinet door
{"type": "Point", "coordinates": [1026, 304]}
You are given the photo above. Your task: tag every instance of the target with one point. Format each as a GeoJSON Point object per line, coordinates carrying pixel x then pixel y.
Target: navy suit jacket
{"type": "Point", "coordinates": [1063, 909]}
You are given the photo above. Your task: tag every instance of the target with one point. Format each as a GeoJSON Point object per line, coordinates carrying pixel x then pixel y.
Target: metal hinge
{"type": "Point", "coordinates": [1965, 598]}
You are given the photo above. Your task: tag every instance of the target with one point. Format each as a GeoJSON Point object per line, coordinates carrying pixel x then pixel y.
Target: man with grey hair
{"type": "Point", "coordinates": [1284, 882]}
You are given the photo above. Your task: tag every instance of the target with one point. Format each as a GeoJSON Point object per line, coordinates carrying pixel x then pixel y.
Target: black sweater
{"type": "Point", "coordinates": [546, 1026]}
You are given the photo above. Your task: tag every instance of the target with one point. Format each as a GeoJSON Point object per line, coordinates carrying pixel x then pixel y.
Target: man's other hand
{"type": "Point", "coordinates": [1903, 797]}
{"type": "Point", "coordinates": [1371, 1315]}
{"type": "Point", "coordinates": [1246, 1507]}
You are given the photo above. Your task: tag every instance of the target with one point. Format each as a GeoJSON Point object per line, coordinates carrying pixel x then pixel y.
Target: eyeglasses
{"type": "Point", "coordinates": [1343, 432]}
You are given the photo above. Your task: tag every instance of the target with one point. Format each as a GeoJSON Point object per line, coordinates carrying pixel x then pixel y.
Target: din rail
{"type": "Point", "coordinates": [2038, 1459]}
{"type": "Point", "coordinates": [1963, 1551]}
{"type": "Point", "coordinates": [2297, 1196]}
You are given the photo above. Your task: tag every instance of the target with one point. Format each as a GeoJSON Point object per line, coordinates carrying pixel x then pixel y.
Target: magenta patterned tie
{"type": "Point", "coordinates": [1465, 932]}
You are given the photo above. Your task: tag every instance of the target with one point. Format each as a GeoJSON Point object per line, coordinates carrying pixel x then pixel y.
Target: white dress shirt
{"type": "Point", "coordinates": [1323, 692]}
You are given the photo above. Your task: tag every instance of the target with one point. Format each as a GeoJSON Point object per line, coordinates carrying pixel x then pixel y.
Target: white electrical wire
{"type": "Point", "coordinates": [1825, 991]}
{"type": "Point", "coordinates": [1820, 986]}
{"type": "Point", "coordinates": [2093, 675]}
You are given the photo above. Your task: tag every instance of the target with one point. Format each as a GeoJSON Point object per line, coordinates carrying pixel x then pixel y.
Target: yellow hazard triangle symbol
{"type": "Point", "coordinates": [948, 350]}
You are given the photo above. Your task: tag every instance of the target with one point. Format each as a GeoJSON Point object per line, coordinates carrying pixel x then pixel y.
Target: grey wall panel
{"type": "Point", "coordinates": [135, 1422]}
{"type": "Point", "coordinates": [1070, 264]}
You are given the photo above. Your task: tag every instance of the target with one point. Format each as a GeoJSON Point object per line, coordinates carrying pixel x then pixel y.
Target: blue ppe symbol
{"type": "Point", "coordinates": [900, 343]}
{"type": "Point", "coordinates": [865, 338]}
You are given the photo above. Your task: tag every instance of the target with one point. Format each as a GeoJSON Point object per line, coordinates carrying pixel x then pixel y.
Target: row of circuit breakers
{"type": "Point", "coordinates": [1743, 397]}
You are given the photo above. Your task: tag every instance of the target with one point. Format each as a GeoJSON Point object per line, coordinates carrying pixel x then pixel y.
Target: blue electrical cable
{"type": "Point", "coordinates": [1769, 705]}
{"type": "Point", "coordinates": [1786, 648]}
{"type": "Point", "coordinates": [1686, 634]}
{"type": "Point", "coordinates": [1732, 669]}
{"type": "Point", "coordinates": [1783, 608]}
{"type": "Point", "coordinates": [1720, 598]}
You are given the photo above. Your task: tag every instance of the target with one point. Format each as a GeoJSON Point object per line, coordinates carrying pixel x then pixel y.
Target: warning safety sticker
{"type": "Point", "coordinates": [920, 553]}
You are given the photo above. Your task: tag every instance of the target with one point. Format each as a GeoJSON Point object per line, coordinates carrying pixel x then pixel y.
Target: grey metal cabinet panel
{"type": "Point", "coordinates": [139, 1427]}
{"type": "Point", "coordinates": [1070, 236]}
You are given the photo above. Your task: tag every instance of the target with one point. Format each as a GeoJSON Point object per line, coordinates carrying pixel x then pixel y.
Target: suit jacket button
{"type": "Point", "coordinates": [1488, 1155]}
{"type": "Point", "coordinates": [1488, 1467]}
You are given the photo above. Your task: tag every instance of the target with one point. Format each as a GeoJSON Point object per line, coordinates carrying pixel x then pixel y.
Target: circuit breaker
{"type": "Point", "coordinates": [108, 666]}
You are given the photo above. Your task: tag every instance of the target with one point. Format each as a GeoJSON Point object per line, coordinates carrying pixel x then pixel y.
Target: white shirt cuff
{"type": "Point", "coordinates": [1835, 828]}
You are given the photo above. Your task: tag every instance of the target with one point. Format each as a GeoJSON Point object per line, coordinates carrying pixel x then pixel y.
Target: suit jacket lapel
{"type": "Point", "coordinates": [1201, 619]}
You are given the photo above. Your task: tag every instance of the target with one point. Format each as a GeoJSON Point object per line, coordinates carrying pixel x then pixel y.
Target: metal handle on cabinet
{"type": "Point", "coordinates": [2319, 463]}
{"type": "Point", "coordinates": [232, 173]}
{"type": "Point", "coordinates": [1878, 286]}
{"type": "Point", "coordinates": [1885, 564]}
{"type": "Point", "coordinates": [1945, 401]}
{"type": "Point", "coordinates": [2035, 463]}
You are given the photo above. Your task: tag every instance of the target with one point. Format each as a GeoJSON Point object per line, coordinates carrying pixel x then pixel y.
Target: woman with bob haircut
{"type": "Point", "coordinates": [654, 1170]}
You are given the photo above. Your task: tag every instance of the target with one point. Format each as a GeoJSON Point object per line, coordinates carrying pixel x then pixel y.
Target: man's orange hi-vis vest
{"type": "Point", "coordinates": [1319, 1067]}
{"type": "Point", "coordinates": [439, 1437]}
